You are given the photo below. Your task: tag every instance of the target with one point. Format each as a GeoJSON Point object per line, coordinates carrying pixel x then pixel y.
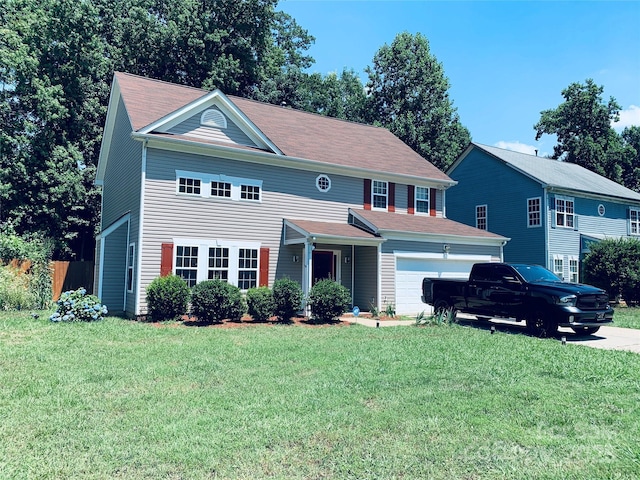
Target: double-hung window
{"type": "Point", "coordinates": [533, 212]}
{"type": "Point", "coordinates": [565, 212]}
{"type": "Point", "coordinates": [234, 262]}
{"type": "Point", "coordinates": [634, 221]}
{"type": "Point", "coordinates": [573, 269]}
{"type": "Point", "coordinates": [422, 200]}
{"type": "Point", "coordinates": [379, 194]}
{"type": "Point", "coordinates": [558, 266]}
{"type": "Point", "coordinates": [481, 217]}
{"type": "Point", "coordinates": [218, 186]}
{"type": "Point", "coordinates": [130, 259]}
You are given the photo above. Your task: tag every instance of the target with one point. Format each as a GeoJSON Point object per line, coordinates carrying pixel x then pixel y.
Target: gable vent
{"type": "Point", "coordinates": [213, 118]}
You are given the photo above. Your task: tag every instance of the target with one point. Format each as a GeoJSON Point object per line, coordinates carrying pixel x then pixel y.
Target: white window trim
{"type": "Point", "coordinates": [539, 224]}
{"type": "Point", "coordinates": [486, 217]}
{"type": "Point", "coordinates": [373, 195]}
{"type": "Point", "coordinates": [213, 118]}
{"type": "Point", "coordinates": [428, 200]}
{"type": "Point", "coordinates": [553, 266]}
{"type": "Point", "coordinates": [566, 215]}
{"type": "Point", "coordinates": [131, 256]}
{"type": "Point", "coordinates": [575, 259]}
{"type": "Point", "coordinates": [322, 175]}
{"type": "Point", "coordinates": [636, 222]}
{"type": "Point", "coordinates": [203, 256]}
{"type": "Point", "coordinates": [207, 179]}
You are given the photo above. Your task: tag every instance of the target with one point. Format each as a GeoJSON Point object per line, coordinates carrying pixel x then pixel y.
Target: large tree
{"type": "Point", "coordinates": [409, 94]}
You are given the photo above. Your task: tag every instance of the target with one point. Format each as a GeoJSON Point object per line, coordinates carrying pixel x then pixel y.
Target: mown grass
{"type": "Point", "coordinates": [627, 317]}
{"type": "Point", "coordinates": [119, 399]}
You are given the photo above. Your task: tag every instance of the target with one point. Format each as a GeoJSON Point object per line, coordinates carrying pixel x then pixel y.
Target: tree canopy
{"type": "Point", "coordinates": [585, 136]}
{"type": "Point", "coordinates": [409, 94]}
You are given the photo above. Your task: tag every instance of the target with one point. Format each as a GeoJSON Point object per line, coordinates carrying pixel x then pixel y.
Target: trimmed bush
{"type": "Point", "coordinates": [287, 298]}
{"type": "Point", "coordinates": [77, 306]}
{"type": "Point", "coordinates": [614, 265]}
{"type": "Point", "coordinates": [167, 298]}
{"type": "Point", "coordinates": [216, 300]}
{"type": "Point", "coordinates": [260, 303]}
{"type": "Point", "coordinates": [328, 300]}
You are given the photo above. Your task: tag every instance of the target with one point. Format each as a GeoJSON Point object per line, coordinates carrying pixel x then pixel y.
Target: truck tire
{"type": "Point", "coordinates": [441, 306]}
{"type": "Point", "coordinates": [585, 330]}
{"type": "Point", "coordinates": [540, 323]}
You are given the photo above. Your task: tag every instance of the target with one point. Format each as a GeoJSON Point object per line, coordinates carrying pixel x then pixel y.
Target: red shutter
{"type": "Point", "coordinates": [392, 197]}
{"type": "Point", "coordinates": [166, 259]}
{"type": "Point", "coordinates": [367, 194]}
{"type": "Point", "coordinates": [264, 267]}
{"type": "Point", "coordinates": [411, 199]}
{"type": "Point", "coordinates": [432, 202]}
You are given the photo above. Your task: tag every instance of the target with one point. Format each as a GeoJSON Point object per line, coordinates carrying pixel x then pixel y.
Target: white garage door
{"type": "Point", "coordinates": [411, 271]}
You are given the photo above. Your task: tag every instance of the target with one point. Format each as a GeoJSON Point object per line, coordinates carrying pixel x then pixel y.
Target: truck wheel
{"type": "Point", "coordinates": [441, 307]}
{"type": "Point", "coordinates": [585, 330]}
{"type": "Point", "coordinates": [540, 324]}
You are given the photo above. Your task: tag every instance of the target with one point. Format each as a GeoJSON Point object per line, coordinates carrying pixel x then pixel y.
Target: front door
{"type": "Point", "coordinates": [324, 265]}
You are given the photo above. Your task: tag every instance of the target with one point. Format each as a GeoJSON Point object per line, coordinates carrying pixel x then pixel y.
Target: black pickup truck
{"type": "Point", "coordinates": [529, 293]}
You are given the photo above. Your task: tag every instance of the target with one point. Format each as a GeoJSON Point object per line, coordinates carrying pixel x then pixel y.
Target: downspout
{"type": "Point", "coordinates": [307, 271]}
{"type": "Point", "coordinates": [101, 266]}
{"type": "Point", "coordinates": [353, 261]}
{"type": "Point", "coordinates": [379, 286]}
{"type": "Point", "coordinates": [543, 207]}
{"type": "Point", "coordinates": [143, 181]}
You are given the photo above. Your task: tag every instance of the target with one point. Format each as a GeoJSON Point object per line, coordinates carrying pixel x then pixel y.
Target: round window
{"type": "Point", "coordinates": [323, 183]}
{"type": "Point", "coordinates": [601, 210]}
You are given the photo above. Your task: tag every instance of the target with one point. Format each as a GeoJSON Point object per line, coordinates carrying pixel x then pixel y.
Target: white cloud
{"type": "Point", "coordinates": [628, 117]}
{"type": "Point", "coordinates": [517, 147]}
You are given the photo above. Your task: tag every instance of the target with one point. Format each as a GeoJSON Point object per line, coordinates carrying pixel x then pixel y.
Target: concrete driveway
{"type": "Point", "coordinates": [608, 338]}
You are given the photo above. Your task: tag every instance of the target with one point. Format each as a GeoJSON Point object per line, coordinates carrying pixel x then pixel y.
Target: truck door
{"type": "Point", "coordinates": [479, 289]}
{"type": "Point", "coordinates": [507, 292]}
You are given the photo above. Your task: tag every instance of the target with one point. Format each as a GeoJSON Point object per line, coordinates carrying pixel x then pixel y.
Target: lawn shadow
{"type": "Point", "coordinates": [519, 328]}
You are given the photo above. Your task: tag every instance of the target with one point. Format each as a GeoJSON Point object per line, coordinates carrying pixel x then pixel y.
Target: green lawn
{"type": "Point", "coordinates": [627, 317]}
{"type": "Point", "coordinates": [125, 400]}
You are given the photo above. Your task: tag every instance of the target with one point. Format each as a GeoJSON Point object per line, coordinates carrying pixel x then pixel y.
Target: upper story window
{"type": "Point", "coordinates": [323, 183]}
{"type": "Point", "coordinates": [422, 200]}
{"type": "Point", "coordinates": [481, 217]}
{"type": "Point", "coordinates": [533, 212]}
{"type": "Point", "coordinates": [218, 186]}
{"type": "Point", "coordinates": [213, 118]}
{"type": "Point", "coordinates": [565, 214]}
{"type": "Point", "coordinates": [634, 221]}
{"type": "Point", "coordinates": [379, 194]}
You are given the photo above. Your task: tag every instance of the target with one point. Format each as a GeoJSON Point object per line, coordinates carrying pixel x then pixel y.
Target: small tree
{"type": "Point", "coordinates": [260, 303]}
{"type": "Point", "coordinates": [216, 300]}
{"type": "Point", "coordinates": [614, 265]}
{"type": "Point", "coordinates": [328, 300]}
{"type": "Point", "coordinates": [167, 298]}
{"type": "Point", "coordinates": [287, 298]}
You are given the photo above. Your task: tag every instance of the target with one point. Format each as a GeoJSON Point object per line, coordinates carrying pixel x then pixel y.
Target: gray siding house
{"type": "Point", "coordinates": [551, 210]}
{"type": "Point", "coordinates": [205, 185]}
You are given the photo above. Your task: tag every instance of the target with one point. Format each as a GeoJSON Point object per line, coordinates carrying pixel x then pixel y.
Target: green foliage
{"type": "Point", "coordinates": [260, 303]}
{"type": "Point", "coordinates": [167, 298]}
{"type": "Point", "coordinates": [409, 96]}
{"type": "Point", "coordinates": [442, 317]}
{"type": "Point", "coordinates": [77, 306]}
{"type": "Point", "coordinates": [373, 309]}
{"type": "Point", "coordinates": [217, 300]}
{"type": "Point", "coordinates": [41, 283]}
{"type": "Point", "coordinates": [328, 300]}
{"type": "Point", "coordinates": [14, 289]}
{"type": "Point", "coordinates": [390, 310]}
{"type": "Point", "coordinates": [287, 298]}
{"type": "Point", "coordinates": [614, 265]}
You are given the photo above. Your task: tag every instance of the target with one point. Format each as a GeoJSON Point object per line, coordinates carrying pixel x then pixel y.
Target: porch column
{"type": "Point", "coordinates": [307, 269]}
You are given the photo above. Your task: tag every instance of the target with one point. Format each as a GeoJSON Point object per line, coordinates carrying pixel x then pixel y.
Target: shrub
{"type": "Point", "coordinates": [287, 298]}
{"type": "Point", "coordinates": [614, 265]}
{"type": "Point", "coordinates": [77, 306]}
{"type": "Point", "coordinates": [216, 300]}
{"type": "Point", "coordinates": [167, 298]}
{"type": "Point", "coordinates": [328, 300]}
{"type": "Point", "coordinates": [14, 289]}
{"type": "Point", "coordinates": [260, 303]}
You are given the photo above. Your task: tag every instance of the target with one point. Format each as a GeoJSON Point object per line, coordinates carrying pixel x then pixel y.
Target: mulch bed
{"type": "Point", "coordinates": [247, 321]}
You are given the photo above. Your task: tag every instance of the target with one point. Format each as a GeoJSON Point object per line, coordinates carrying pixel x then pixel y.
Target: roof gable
{"type": "Point", "coordinates": [552, 173]}
{"type": "Point", "coordinates": [155, 106]}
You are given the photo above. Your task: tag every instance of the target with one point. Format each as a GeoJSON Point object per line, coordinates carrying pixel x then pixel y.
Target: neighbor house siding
{"type": "Point", "coordinates": [286, 193]}
{"type": "Point", "coordinates": [192, 128]}
{"type": "Point", "coordinates": [612, 224]}
{"type": "Point", "coordinates": [506, 205]}
{"type": "Point", "coordinates": [113, 277]}
{"type": "Point", "coordinates": [388, 279]}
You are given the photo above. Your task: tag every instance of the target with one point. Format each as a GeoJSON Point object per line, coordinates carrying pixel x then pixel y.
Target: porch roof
{"type": "Point", "coordinates": [299, 231]}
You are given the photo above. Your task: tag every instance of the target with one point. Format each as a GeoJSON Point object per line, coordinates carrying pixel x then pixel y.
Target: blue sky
{"type": "Point", "coordinates": [506, 60]}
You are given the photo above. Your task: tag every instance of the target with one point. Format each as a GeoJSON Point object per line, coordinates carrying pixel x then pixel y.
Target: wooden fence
{"type": "Point", "coordinates": [65, 275]}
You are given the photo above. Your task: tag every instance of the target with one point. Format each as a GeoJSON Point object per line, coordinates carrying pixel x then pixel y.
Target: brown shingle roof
{"type": "Point", "coordinates": [395, 222]}
{"type": "Point", "coordinates": [330, 229]}
{"type": "Point", "coordinates": [296, 133]}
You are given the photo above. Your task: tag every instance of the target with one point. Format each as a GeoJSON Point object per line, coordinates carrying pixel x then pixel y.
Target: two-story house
{"type": "Point", "coordinates": [551, 210]}
{"type": "Point", "coordinates": [206, 185]}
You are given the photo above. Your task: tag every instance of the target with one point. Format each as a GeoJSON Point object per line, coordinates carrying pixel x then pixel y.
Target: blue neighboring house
{"type": "Point", "coordinates": [551, 210]}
